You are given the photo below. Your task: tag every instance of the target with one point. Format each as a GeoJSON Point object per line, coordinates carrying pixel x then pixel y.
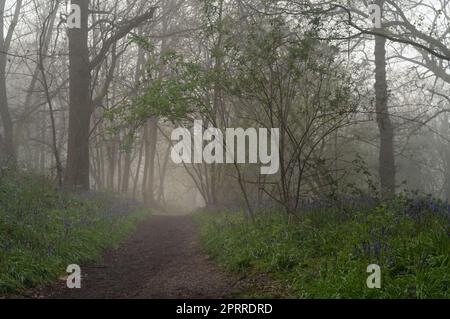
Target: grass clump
{"type": "Point", "coordinates": [43, 229]}
{"type": "Point", "coordinates": [325, 252]}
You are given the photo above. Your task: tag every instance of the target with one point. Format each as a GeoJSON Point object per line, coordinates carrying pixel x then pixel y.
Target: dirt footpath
{"type": "Point", "coordinates": [161, 259]}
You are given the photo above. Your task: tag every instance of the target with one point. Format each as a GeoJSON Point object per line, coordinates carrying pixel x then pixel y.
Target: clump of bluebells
{"type": "Point", "coordinates": [419, 207]}
{"type": "Point", "coordinates": [324, 252]}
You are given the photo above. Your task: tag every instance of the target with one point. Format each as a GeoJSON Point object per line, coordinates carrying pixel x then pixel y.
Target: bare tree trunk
{"type": "Point", "coordinates": [138, 169]}
{"type": "Point", "coordinates": [8, 136]}
{"type": "Point", "coordinates": [112, 162]}
{"type": "Point", "coordinates": [42, 154]}
{"type": "Point", "coordinates": [146, 162]}
{"type": "Point", "coordinates": [162, 175]}
{"type": "Point", "coordinates": [41, 64]}
{"type": "Point", "coordinates": [153, 137]}
{"type": "Point", "coordinates": [150, 136]}
{"type": "Point", "coordinates": [99, 163]}
{"type": "Point", "coordinates": [5, 114]}
{"type": "Point", "coordinates": [29, 99]}
{"type": "Point", "coordinates": [126, 172]}
{"type": "Point", "coordinates": [119, 168]}
{"type": "Point", "coordinates": [386, 155]}
{"type": "Point", "coordinates": [80, 105]}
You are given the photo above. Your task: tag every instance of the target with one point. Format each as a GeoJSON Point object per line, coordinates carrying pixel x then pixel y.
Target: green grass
{"type": "Point", "coordinates": [325, 253]}
{"type": "Point", "coordinates": [43, 230]}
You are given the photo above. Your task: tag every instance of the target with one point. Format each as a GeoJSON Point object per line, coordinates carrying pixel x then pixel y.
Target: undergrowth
{"type": "Point", "coordinates": [43, 229]}
{"type": "Point", "coordinates": [325, 252]}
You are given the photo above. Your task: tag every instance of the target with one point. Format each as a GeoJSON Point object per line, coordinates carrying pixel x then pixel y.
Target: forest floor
{"type": "Point", "coordinates": [161, 259]}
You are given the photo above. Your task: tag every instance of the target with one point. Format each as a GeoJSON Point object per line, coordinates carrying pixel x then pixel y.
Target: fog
{"type": "Point", "coordinates": [360, 111]}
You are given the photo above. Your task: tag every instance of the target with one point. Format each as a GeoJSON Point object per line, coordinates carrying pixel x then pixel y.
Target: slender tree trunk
{"type": "Point", "coordinates": [42, 154]}
{"type": "Point", "coordinates": [99, 163]}
{"type": "Point", "coordinates": [150, 136]}
{"type": "Point", "coordinates": [126, 172]}
{"type": "Point", "coordinates": [119, 168]}
{"type": "Point", "coordinates": [8, 136]}
{"type": "Point", "coordinates": [138, 169]}
{"type": "Point", "coordinates": [31, 91]}
{"type": "Point", "coordinates": [162, 175]}
{"type": "Point", "coordinates": [112, 162]}
{"type": "Point", "coordinates": [5, 114]}
{"type": "Point", "coordinates": [386, 155]}
{"type": "Point", "coordinates": [41, 65]}
{"type": "Point", "coordinates": [146, 162]}
{"type": "Point", "coordinates": [152, 139]}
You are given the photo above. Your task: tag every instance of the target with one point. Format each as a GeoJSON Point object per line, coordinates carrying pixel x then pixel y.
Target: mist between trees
{"type": "Point", "coordinates": [360, 110]}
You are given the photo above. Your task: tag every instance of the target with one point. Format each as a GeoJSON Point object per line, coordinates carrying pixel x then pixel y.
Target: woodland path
{"type": "Point", "coordinates": [162, 259]}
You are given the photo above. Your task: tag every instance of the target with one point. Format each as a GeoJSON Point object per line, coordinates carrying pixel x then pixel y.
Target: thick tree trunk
{"type": "Point", "coordinates": [386, 155]}
{"type": "Point", "coordinates": [80, 109]}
